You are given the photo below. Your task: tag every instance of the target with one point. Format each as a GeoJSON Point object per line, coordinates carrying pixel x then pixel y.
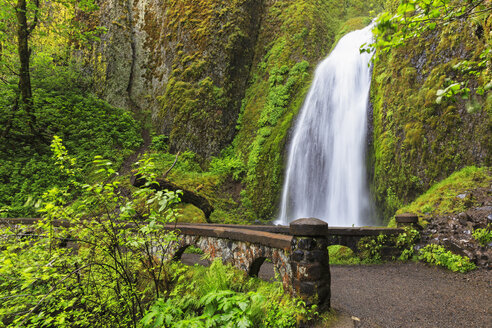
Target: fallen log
{"type": "Point", "coordinates": [188, 196]}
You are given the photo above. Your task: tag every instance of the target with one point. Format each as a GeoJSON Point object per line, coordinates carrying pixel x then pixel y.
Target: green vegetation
{"type": "Point", "coordinates": [450, 195]}
{"type": "Point", "coordinates": [438, 255]}
{"type": "Point", "coordinates": [483, 235]}
{"type": "Point", "coordinates": [104, 281]}
{"type": "Point", "coordinates": [89, 126]}
{"type": "Point", "coordinates": [113, 275]}
{"type": "Point", "coordinates": [236, 75]}
{"type": "Point", "coordinates": [221, 296]}
{"type": "Point", "coordinates": [218, 181]}
{"type": "Point", "coordinates": [54, 98]}
{"type": "Point", "coordinates": [431, 117]}
{"type": "Point", "coordinates": [371, 249]}
{"type": "Point", "coordinates": [406, 243]}
{"type": "Point", "coordinates": [341, 255]}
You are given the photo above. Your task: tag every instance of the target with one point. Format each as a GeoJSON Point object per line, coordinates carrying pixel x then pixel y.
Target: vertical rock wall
{"type": "Point", "coordinates": [419, 140]}
{"type": "Point", "coordinates": [185, 61]}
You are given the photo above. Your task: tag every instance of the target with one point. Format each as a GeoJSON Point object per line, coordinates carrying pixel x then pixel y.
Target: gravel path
{"type": "Point", "coordinates": [412, 295]}
{"type": "Point", "coordinates": [408, 295]}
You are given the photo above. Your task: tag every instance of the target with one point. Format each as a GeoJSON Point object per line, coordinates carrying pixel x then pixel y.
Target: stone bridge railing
{"type": "Point", "coordinates": [298, 252]}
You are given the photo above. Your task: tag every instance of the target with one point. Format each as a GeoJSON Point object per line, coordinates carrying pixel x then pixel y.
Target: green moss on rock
{"type": "Point", "coordinates": [450, 195]}
{"type": "Point", "coordinates": [294, 37]}
{"type": "Point", "coordinates": [418, 140]}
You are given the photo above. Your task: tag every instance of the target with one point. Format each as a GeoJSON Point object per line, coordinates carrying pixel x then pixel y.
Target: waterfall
{"type": "Point", "coordinates": [326, 174]}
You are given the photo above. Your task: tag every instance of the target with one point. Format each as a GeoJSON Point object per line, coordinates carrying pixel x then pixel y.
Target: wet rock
{"type": "Point", "coordinates": [463, 218]}
{"type": "Point", "coordinates": [454, 231]}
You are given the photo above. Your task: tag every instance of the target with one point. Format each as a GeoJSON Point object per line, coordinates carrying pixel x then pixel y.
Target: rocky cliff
{"type": "Point", "coordinates": [211, 72]}
{"type": "Point", "coordinates": [187, 62]}
{"type": "Point", "coordinates": [215, 73]}
{"type": "Point", "coordinates": [418, 138]}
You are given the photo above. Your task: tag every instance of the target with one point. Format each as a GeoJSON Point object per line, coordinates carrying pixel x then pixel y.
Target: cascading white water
{"type": "Point", "coordinates": [325, 175]}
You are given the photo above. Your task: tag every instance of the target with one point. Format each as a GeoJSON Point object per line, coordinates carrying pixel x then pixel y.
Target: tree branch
{"type": "Point", "coordinates": [169, 170]}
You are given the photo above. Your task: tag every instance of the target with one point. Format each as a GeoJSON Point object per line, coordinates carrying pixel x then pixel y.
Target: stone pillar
{"type": "Point", "coordinates": [407, 220]}
{"type": "Point", "coordinates": [309, 261]}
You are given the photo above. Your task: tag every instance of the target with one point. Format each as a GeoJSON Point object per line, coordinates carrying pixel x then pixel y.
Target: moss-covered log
{"type": "Point", "coordinates": [187, 196]}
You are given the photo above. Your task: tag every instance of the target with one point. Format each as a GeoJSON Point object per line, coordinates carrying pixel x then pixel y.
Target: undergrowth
{"type": "Point", "coordinates": [64, 106]}
{"type": "Point", "coordinates": [221, 296]}
{"type": "Point", "coordinates": [438, 255]}
{"type": "Point", "coordinates": [483, 235]}
{"type": "Point", "coordinates": [449, 195]}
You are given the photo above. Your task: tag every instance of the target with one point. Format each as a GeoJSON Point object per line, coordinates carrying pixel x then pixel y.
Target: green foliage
{"type": "Point", "coordinates": [412, 18]}
{"type": "Point", "coordinates": [406, 243]}
{"type": "Point", "coordinates": [483, 235]}
{"type": "Point", "coordinates": [438, 255]}
{"type": "Point", "coordinates": [220, 296]}
{"type": "Point", "coordinates": [442, 197]}
{"type": "Point", "coordinates": [227, 164]}
{"type": "Point", "coordinates": [64, 107]}
{"type": "Point", "coordinates": [34, 276]}
{"type": "Point", "coordinates": [371, 248]}
{"type": "Point", "coordinates": [88, 125]}
{"type": "Point", "coordinates": [108, 278]}
{"type": "Point", "coordinates": [430, 105]}
{"type": "Point", "coordinates": [193, 250]}
{"type": "Point", "coordinates": [160, 143]}
{"type": "Point", "coordinates": [342, 255]}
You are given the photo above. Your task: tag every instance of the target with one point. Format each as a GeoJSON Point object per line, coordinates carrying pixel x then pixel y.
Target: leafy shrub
{"type": "Point", "coordinates": [342, 255]}
{"type": "Point", "coordinates": [483, 235]}
{"type": "Point", "coordinates": [114, 272]}
{"type": "Point", "coordinates": [160, 143]}
{"type": "Point", "coordinates": [228, 163]}
{"type": "Point", "coordinates": [193, 250]}
{"type": "Point", "coordinates": [406, 241]}
{"type": "Point", "coordinates": [438, 255]}
{"type": "Point", "coordinates": [371, 248]}
{"type": "Point", "coordinates": [220, 296]}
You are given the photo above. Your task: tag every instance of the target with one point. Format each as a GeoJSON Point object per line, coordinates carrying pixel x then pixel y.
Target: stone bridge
{"type": "Point", "coordinates": [298, 252]}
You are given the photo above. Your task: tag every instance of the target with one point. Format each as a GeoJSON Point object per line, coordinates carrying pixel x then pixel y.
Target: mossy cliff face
{"type": "Point", "coordinates": [418, 141]}
{"type": "Point", "coordinates": [212, 71]}
{"type": "Point", "coordinates": [294, 37]}
{"type": "Point", "coordinates": [185, 61]}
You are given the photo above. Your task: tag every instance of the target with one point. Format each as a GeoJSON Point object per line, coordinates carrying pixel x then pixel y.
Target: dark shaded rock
{"type": "Point", "coordinates": [297, 255]}
{"type": "Point", "coordinates": [308, 227]}
{"type": "Point", "coordinates": [455, 231]}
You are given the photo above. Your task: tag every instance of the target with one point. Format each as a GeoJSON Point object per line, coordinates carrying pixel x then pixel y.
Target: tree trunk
{"type": "Point", "coordinates": [24, 56]}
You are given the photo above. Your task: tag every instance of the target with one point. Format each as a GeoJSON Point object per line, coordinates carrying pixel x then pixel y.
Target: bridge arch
{"type": "Point", "coordinates": [254, 268]}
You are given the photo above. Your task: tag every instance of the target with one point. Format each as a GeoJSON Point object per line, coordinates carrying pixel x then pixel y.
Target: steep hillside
{"type": "Point", "coordinates": [420, 139]}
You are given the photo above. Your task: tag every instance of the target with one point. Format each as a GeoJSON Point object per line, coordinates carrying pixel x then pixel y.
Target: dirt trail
{"type": "Point", "coordinates": [406, 295]}
{"type": "Point", "coordinates": [412, 295]}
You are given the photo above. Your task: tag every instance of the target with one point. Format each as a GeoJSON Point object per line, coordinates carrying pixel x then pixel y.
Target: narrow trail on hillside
{"type": "Point", "coordinates": [126, 167]}
{"type": "Point", "coordinates": [407, 295]}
